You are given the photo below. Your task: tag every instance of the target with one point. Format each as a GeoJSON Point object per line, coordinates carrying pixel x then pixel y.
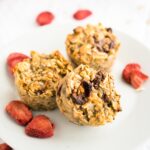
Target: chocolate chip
{"type": "Point", "coordinates": [105, 98]}
{"type": "Point", "coordinates": [112, 44]}
{"type": "Point", "coordinates": [87, 88]}
{"type": "Point", "coordinates": [59, 90]}
{"type": "Point", "coordinates": [98, 78]}
{"type": "Point", "coordinates": [78, 99]}
{"type": "Point", "coordinates": [109, 30]}
{"type": "Point", "coordinates": [101, 73]}
{"type": "Point", "coordinates": [102, 46]}
{"type": "Point", "coordinates": [109, 104]}
{"type": "Point", "coordinates": [39, 92]}
{"type": "Point", "coordinates": [82, 99]}
{"type": "Point", "coordinates": [96, 82]}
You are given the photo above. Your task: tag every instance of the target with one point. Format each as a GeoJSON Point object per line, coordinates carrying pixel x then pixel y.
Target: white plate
{"type": "Point", "coordinates": [130, 128]}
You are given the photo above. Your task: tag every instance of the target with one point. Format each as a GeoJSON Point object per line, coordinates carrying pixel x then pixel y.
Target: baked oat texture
{"type": "Point", "coordinates": [88, 97]}
{"type": "Point", "coordinates": [37, 79]}
{"type": "Point", "coordinates": [95, 46]}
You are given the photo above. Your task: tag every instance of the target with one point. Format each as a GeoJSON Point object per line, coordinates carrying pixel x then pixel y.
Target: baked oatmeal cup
{"type": "Point", "coordinates": [37, 79]}
{"type": "Point", "coordinates": [95, 46]}
{"type": "Point", "coordinates": [88, 97]}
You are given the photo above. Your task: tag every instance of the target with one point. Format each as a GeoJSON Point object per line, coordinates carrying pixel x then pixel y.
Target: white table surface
{"type": "Point", "coordinates": [17, 17]}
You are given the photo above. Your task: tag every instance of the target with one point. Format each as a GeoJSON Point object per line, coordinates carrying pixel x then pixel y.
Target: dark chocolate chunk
{"type": "Point", "coordinates": [39, 92]}
{"type": "Point", "coordinates": [102, 46]}
{"type": "Point", "coordinates": [112, 44]}
{"type": "Point", "coordinates": [101, 74]}
{"type": "Point", "coordinates": [87, 88]}
{"type": "Point", "coordinates": [109, 30]}
{"type": "Point", "coordinates": [82, 99]}
{"type": "Point", "coordinates": [105, 98]}
{"type": "Point", "coordinates": [78, 99]}
{"type": "Point", "coordinates": [98, 78]}
{"type": "Point", "coordinates": [96, 82]}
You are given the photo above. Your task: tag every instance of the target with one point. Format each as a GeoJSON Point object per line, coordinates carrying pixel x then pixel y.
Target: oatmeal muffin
{"type": "Point", "coordinates": [95, 46]}
{"type": "Point", "coordinates": [37, 79]}
{"type": "Point", "coordinates": [88, 97]}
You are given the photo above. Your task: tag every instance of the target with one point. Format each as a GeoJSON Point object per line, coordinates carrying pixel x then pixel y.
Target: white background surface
{"type": "Point", "coordinates": [17, 17]}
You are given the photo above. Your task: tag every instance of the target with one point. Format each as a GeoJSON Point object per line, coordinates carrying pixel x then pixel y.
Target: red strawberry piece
{"type": "Point", "coordinates": [138, 78]}
{"type": "Point", "coordinates": [40, 127]}
{"type": "Point", "coordinates": [19, 112]}
{"type": "Point", "coordinates": [4, 146]}
{"type": "Point", "coordinates": [82, 14]}
{"type": "Point", "coordinates": [13, 59]}
{"type": "Point", "coordinates": [44, 18]}
{"type": "Point", "coordinates": [128, 69]}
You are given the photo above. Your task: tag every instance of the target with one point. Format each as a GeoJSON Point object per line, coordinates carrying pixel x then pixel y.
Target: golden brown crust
{"type": "Point", "coordinates": [95, 46]}
{"type": "Point", "coordinates": [37, 79]}
{"type": "Point", "coordinates": [88, 97]}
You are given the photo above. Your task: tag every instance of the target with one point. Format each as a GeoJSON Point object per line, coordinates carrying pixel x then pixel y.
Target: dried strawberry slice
{"type": "Point", "coordinates": [40, 127]}
{"type": "Point", "coordinates": [4, 146]}
{"type": "Point", "coordinates": [19, 112]}
{"type": "Point", "coordinates": [13, 59]}
{"type": "Point", "coordinates": [138, 78]}
{"type": "Point", "coordinates": [128, 70]}
{"type": "Point", "coordinates": [82, 14]}
{"type": "Point", "coordinates": [15, 55]}
{"type": "Point", "coordinates": [44, 18]}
